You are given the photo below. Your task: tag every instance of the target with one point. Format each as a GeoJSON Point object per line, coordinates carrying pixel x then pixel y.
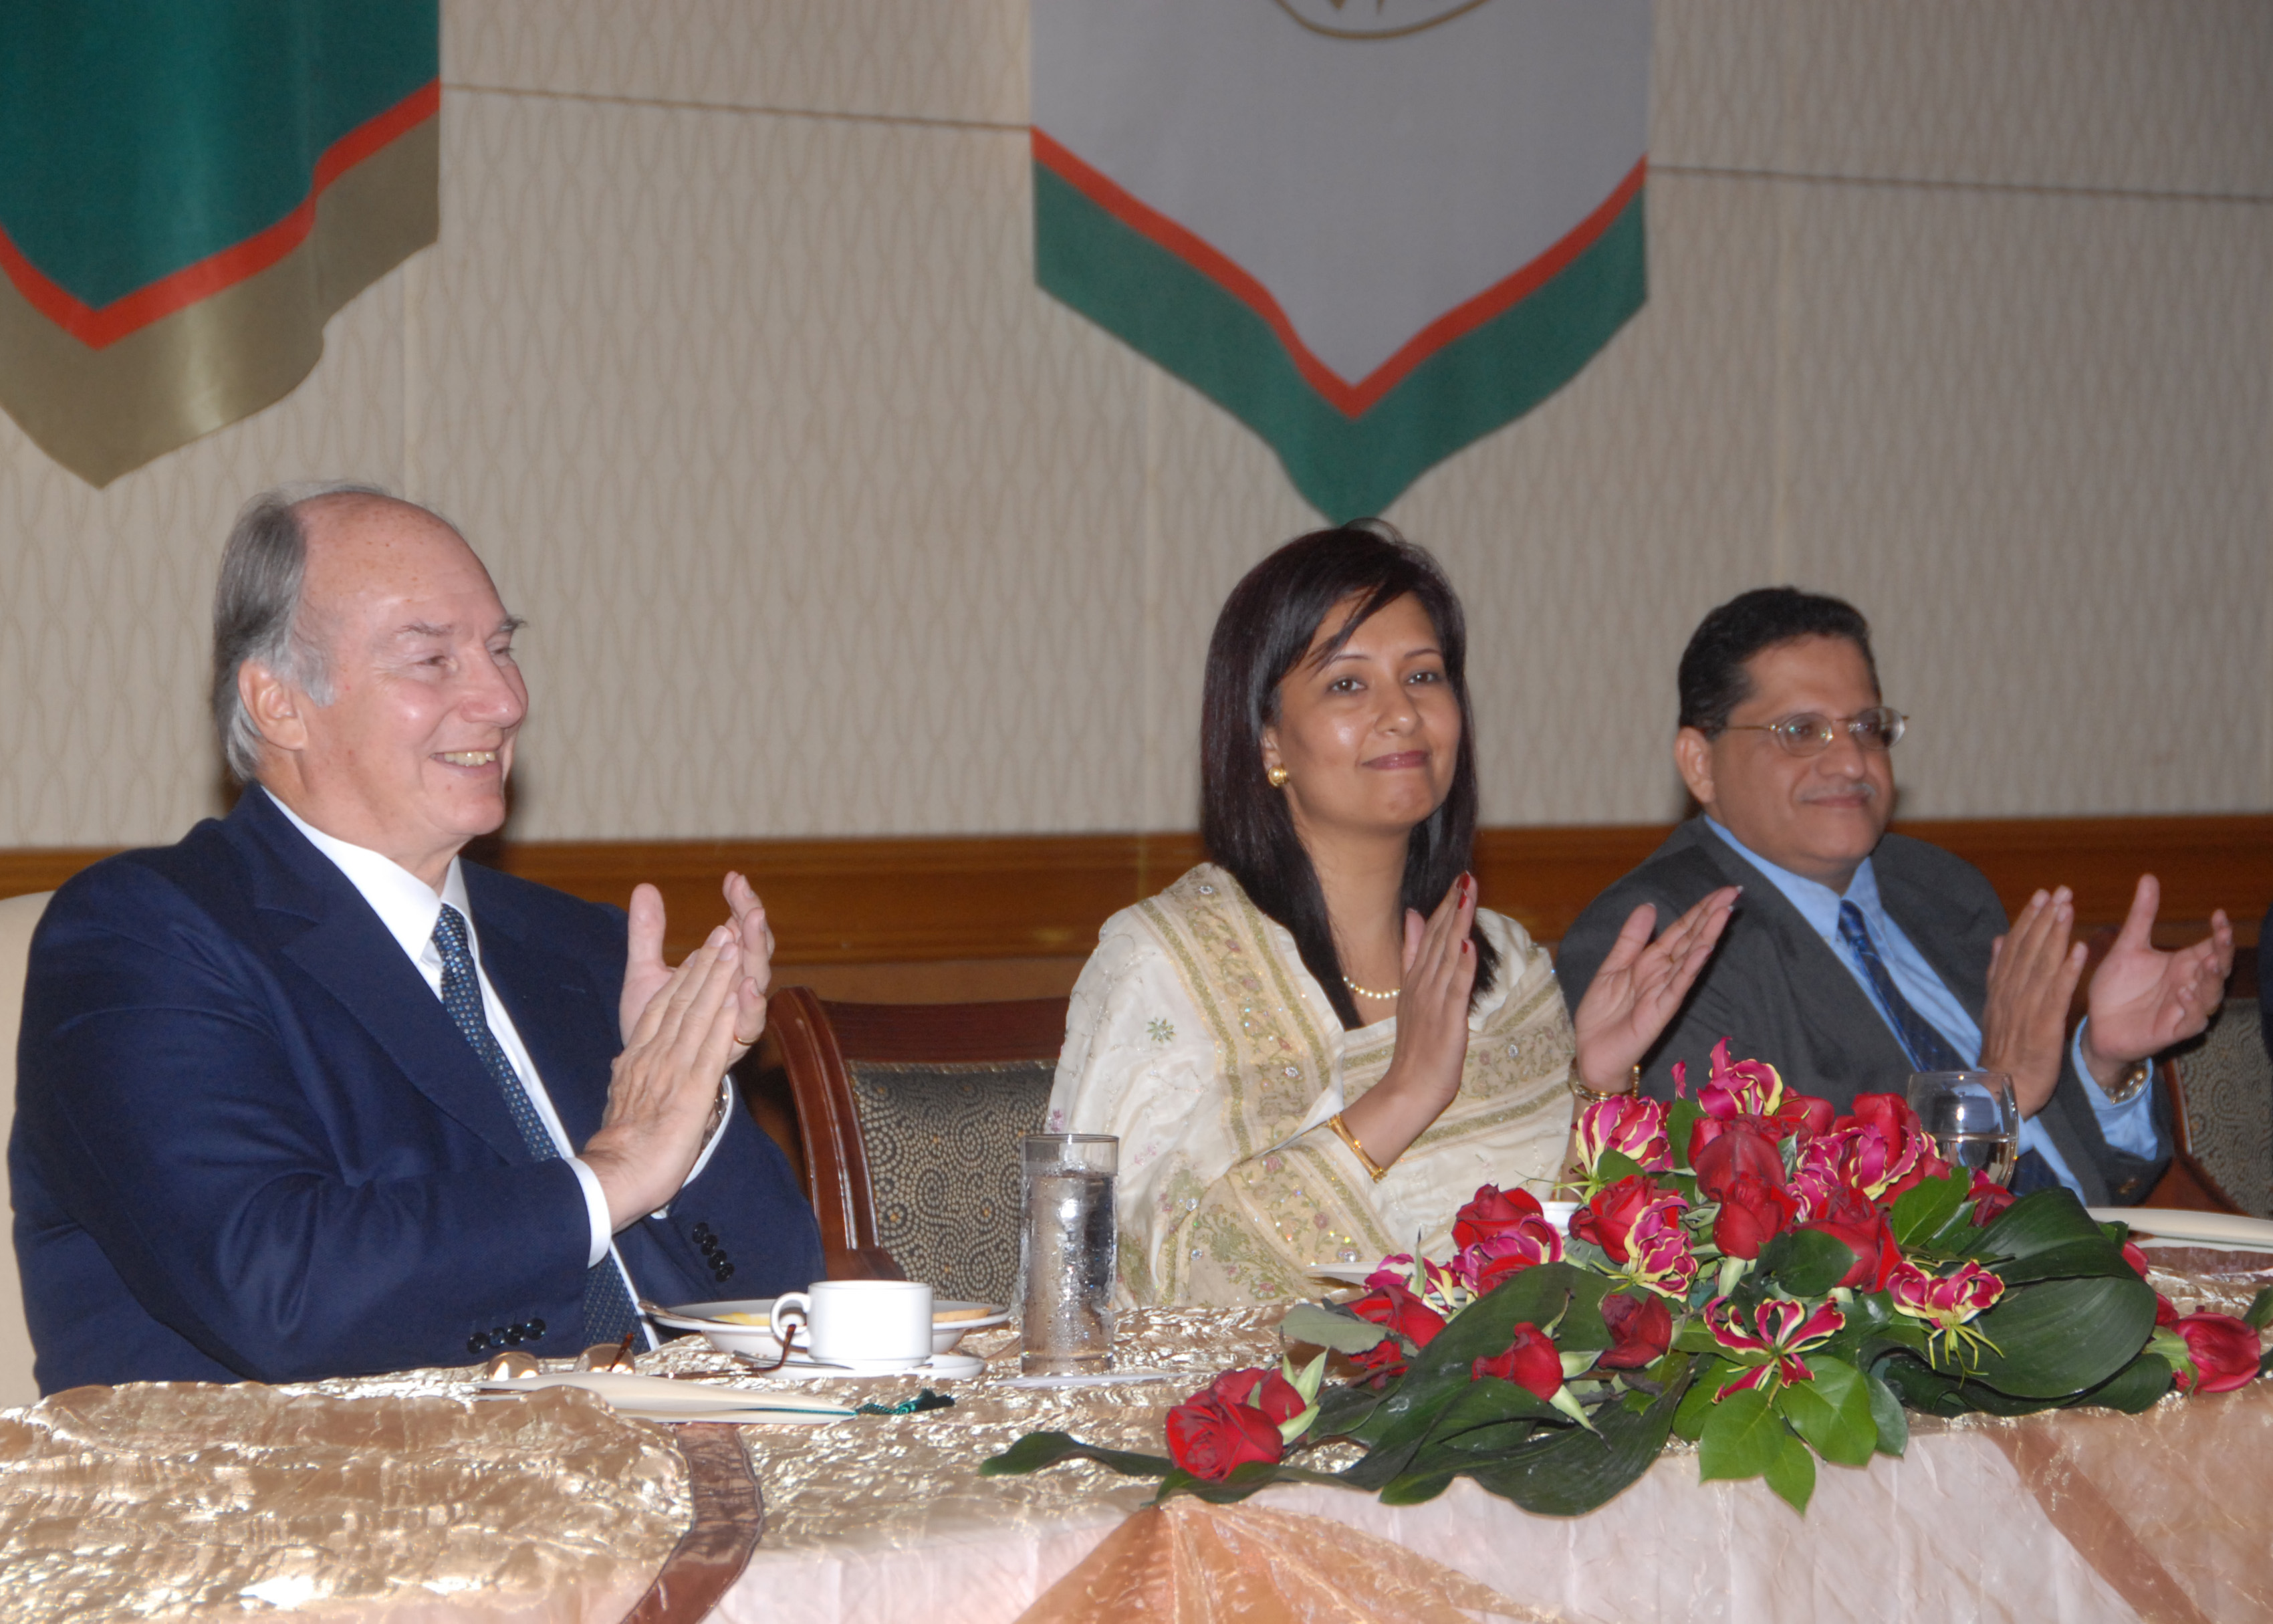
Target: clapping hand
{"type": "Point", "coordinates": [1640, 986]}
{"type": "Point", "coordinates": [645, 973]}
{"type": "Point", "coordinates": [2143, 1000]}
{"type": "Point", "coordinates": [2033, 972]}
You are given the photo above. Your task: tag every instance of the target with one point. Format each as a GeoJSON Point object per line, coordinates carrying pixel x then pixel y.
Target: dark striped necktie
{"type": "Point", "coordinates": [1920, 1039]}
{"type": "Point", "coordinates": [607, 1311]}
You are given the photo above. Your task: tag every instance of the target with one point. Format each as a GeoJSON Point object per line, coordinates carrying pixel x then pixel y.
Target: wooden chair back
{"type": "Point", "coordinates": [985, 1064]}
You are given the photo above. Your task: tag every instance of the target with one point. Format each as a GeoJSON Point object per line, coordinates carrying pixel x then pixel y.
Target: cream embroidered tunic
{"type": "Point", "coordinates": [1199, 1038]}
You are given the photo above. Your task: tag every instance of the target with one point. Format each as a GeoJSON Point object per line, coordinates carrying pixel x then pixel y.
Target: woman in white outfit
{"type": "Point", "coordinates": [1315, 1048]}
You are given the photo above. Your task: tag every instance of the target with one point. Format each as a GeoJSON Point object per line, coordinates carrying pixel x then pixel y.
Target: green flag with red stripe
{"type": "Point", "coordinates": [1374, 231]}
{"type": "Point", "coordinates": [193, 188]}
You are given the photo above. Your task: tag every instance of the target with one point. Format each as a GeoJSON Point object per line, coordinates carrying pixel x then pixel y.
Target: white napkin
{"type": "Point", "coordinates": [2170, 1225]}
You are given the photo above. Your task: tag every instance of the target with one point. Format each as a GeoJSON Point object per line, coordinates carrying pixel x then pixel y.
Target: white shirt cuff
{"type": "Point", "coordinates": [596, 1210]}
{"type": "Point", "coordinates": [596, 1202]}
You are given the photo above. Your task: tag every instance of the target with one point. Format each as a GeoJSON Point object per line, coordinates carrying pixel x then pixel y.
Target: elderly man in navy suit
{"type": "Point", "coordinates": [308, 1095]}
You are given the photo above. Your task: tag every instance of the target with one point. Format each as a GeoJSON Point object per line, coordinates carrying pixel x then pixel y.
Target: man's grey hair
{"type": "Point", "coordinates": [257, 611]}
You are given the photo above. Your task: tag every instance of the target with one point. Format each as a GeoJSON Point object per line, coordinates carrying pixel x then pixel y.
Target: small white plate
{"type": "Point", "coordinates": [757, 1341]}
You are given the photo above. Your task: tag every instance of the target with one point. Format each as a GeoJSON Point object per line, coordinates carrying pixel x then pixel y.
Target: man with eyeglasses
{"type": "Point", "coordinates": [1856, 957]}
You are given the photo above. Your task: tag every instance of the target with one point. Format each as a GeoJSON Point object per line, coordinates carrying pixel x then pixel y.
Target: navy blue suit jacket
{"type": "Point", "coordinates": [249, 1141]}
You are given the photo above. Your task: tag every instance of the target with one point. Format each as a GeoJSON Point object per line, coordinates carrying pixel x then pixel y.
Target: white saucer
{"type": "Point", "coordinates": [939, 1367]}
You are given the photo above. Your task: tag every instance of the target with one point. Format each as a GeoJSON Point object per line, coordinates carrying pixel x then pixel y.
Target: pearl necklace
{"type": "Point", "coordinates": [1367, 992]}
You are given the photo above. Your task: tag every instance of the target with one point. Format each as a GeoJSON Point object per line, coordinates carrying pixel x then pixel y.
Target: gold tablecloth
{"type": "Point", "coordinates": [402, 1499]}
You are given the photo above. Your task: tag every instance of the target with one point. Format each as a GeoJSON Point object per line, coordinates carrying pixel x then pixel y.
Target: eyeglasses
{"type": "Point", "coordinates": [1879, 728]}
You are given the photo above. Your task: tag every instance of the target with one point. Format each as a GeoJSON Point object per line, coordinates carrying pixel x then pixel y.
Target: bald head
{"type": "Point", "coordinates": [364, 672]}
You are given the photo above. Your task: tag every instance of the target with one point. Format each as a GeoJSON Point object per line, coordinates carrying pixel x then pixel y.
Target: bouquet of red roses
{"type": "Point", "coordinates": [1746, 1268]}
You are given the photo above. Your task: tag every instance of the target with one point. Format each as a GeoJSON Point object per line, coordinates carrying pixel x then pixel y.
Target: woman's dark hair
{"type": "Point", "coordinates": [1265, 628]}
{"type": "Point", "coordinates": [1714, 679]}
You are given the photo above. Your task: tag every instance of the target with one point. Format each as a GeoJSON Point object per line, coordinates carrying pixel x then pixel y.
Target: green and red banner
{"type": "Point", "coordinates": [191, 189]}
{"type": "Point", "coordinates": [1374, 231]}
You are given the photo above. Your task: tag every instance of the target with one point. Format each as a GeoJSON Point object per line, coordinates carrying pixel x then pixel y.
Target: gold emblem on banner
{"type": "Point", "coordinates": [1346, 19]}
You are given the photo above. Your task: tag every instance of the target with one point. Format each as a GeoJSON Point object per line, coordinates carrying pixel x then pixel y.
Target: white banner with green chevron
{"type": "Point", "coordinates": [1374, 231]}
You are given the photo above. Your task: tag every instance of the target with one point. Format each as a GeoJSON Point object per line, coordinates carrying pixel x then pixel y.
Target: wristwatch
{"type": "Point", "coordinates": [2135, 1077]}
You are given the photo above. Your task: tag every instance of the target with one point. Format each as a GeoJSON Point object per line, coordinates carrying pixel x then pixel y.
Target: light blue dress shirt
{"type": "Point", "coordinates": [2129, 1127]}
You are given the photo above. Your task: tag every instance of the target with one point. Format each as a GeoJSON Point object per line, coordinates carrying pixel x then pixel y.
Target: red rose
{"type": "Point", "coordinates": [1753, 1212]}
{"type": "Point", "coordinates": [1988, 1198]}
{"type": "Point", "coordinates": [1492, 1211]}
{"type": "Point", "coordinates": [2135, 1257]}
{"type": "Point", "coordinates": [1530, 1362]}
{"type": "Point", "coordinates": [1403, 1313]}
{"type": "Point", "coordinates": [2225, 1350]}
{"type": "Point", "coordinates": [1729, 1151]}
{"type": "Point", "coordinates": [1852, 1218]}
{"type": "Point", "coordinates": [1611, 1215]}
{"type": "Point", "coordinates": [1265, 1390]}
{"type": "Point", "coordinates": [1208, 1437]}
{"type": "Point", "coordinates": [2164, 1314]}
{"type": "Point", "coordinates": [1642, 1330]}
{"type": "Point", "coordinates": [1804, 1114]}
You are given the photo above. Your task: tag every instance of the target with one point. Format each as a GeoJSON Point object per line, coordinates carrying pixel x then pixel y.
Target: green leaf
{"type": "Point", "coordinates": [2037, 1223]}
{"type": "Point", "coordinates": [2137, 1386]}
{"type": "Point", "coordinates": [1791, 1473]}
{"type": "Point", "coordinates": [1804, 1262]}
{"type": "Point", "coordinates": [1416, 1488]}
{"type": "Point", "coordinates": [1696, 1406]}
{"type": "Point", "coordinates": [1616, 1165]}
{"type": "Point", "coordinates": [1567, 1472]}
{"type": "Point", "coordinates": [2260, 1310]}
{"type": "Point", "coordinates": [1887, 1414]}
{"type": "Point", "coordinates": [1037, 1450]}
{"type": "Point", "coordinates": [1832, 1412]}
{"type": "Point", "coordinates": [1343, 1409]}
{"type": "Point", "coordinates": [1323, 1327]}
{"type": "Point", "coordinates": [2058, 1337]}
{"type": "Point", "coordinates": [1485, 1416]}
{"type": "Point", "coordinates": [1742, 1435]}
{"type": "Point", "coordinates": [1921, 1210]}
{"type": "Point", "coordinates": [1242, 1482]}
{"type": "Point", "coordinates": [2076, 1260]}
{"type": "Point", "coordinates": [1681, 1122]}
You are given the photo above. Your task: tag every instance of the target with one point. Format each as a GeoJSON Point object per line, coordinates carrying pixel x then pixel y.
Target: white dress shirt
{"type": "Point", "coordinates": [411, 908]}
{"type": "Point", "coordinates": [2129, 1127]}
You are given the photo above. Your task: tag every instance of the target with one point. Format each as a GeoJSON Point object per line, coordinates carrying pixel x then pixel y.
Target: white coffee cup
{"type": "Point", "coordinates": [869, 1325]}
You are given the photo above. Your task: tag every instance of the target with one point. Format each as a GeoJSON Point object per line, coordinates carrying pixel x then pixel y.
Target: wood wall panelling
{"type": "Point", "coordinates": [872, 916]}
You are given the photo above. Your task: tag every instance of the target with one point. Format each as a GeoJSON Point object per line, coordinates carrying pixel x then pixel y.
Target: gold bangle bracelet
{"type": "Point", "coordinates": [1596, 1096]}
{"type": "Point", "coordinates": [1375, 1167]}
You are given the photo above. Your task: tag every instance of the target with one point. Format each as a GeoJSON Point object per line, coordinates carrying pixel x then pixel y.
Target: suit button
{"type": "Point", "coordinates": [536, 1330]}
{"type": "Point", "coordinates": [709, 1244]}
{"type": "Point", "coordinates": [701, 1232]}
{"type": "Point", "coordinates": [512, 1336]}
{"type": "Point", "coordinates": [477, 1342]}
{"type": "Point", "coordinates": [723, 1269]}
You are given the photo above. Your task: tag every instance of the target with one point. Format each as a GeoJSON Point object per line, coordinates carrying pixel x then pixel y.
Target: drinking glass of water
{"type": "Point", "coordinates": [1972, 1117]}
{"type": "Point", "coordinates": [1066, 1249]}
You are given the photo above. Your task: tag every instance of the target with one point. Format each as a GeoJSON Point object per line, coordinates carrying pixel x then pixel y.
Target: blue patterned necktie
{"type": "Point", "coordinates": [607, 1311]}
{"type": "Point", "coordinates": [1921, 1041]}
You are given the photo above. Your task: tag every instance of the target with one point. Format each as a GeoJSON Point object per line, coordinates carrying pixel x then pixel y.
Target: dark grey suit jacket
{"type": "Point", "coordinates": [1778, 993]}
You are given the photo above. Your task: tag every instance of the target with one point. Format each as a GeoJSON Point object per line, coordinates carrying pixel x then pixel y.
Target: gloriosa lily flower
{"type": "Point", "coordinates": [1736, 1087]}
{"type": "Point", "coordinates": [1781, 1329]}
{"type": "Point", "coordinates": [1658, 1258]}
{"type": "Point", "coordinates": [1946, 1302]}
{"type": "Point", "coordinates": [1632, 1125]}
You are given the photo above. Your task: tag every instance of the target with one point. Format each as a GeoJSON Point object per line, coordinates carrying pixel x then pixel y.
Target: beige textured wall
{"type": "Point", "coordinates": [826, 522]}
